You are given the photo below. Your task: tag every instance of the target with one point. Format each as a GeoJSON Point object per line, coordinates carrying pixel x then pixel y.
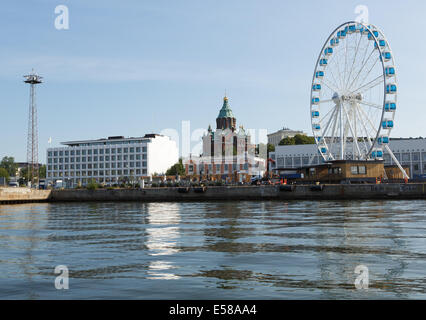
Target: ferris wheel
{"type": "Point", "coordinates": [354, 94]}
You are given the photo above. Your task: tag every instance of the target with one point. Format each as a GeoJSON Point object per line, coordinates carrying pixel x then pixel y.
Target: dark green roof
{"type": "Point", "coordinates": [226, 111]}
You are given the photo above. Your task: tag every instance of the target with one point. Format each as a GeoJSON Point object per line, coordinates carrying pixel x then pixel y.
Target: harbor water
{"type": "Point", "coordinates": [214, 250]}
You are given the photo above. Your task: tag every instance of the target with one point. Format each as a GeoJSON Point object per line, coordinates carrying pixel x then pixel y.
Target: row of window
{"type": "Point", "coordinates": [96, 173]}
{"type": "Point", "coordinates": [227, 167]}
{"type": "Point", "coordinates": [61, 153]}
{"type": "Point", "coordinates": [296, 161]}
{"type": "Point", "coordinates": [98, 158]}
{"type": "Point", "coordinates": [96, 166]}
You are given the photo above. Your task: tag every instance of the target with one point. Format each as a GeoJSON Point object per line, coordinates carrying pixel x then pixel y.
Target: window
{"type": "Point", "coordinates": [132, 150]}
{"type": "Point", "coordinates": [107, 151]}
{"type": "Point", "coordinates": [405, 157]}
{"type": "Point", "coordinates": [49, 154]}
{"type": "Point", "coordinates": [354, 169]}
{"type": "Point", "coordinates": [362, 170]}
{"type": "Point", "coordinates": [55, 153]}
{"type": "Point", "coordinates": [83, 152]}
{"type": "Point", "coordinates": [125, 150]}
{"type": "Point", "coordinates": [143, 149]}
{"type": "Point", "coordinates": [101, 151]}
{"type": "Point", "coordinates": [95, 151]}
{"type": "Point", "coordinates": [143, 163]}
{"type": "Point", "coordinates": [138, 149]}
{"type": "Point", "coordinates": [61, 153]}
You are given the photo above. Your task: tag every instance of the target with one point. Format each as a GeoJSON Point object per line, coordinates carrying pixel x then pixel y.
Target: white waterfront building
{"type": "Point", "coordinates": [410, 152]}
{"type": "Point", "coordinates": [111, 160]}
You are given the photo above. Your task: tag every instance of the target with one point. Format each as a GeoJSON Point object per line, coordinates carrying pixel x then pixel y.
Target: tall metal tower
{"type": "Point", "coordinates": [32, 139]}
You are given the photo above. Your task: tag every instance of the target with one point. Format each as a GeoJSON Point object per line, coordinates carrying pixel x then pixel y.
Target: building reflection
{"type": "Point", "coordinates": [26, 221]}
{"type": "Point", "coordinates": [162, 235]}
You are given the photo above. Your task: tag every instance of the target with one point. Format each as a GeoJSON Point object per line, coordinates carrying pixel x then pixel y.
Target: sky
{"type": "Point", "coordinates": [134, 67]}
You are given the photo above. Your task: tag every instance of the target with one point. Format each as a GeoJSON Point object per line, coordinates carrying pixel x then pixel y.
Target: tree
{"type": "Point", "coordinates": [297, 139]}
{"type": "Point", "coordinates": [4, 174]}
{"type": "Point", "coordinates": [42, 172]}
{"type": "Point", "coordinates": [176, 169]}
{"type": "Point", "coordinates": [287, 141]}
{"type": "Point", "coordinates": [302, 139]}
{"type": "Point", "coordinates": [9, 164]}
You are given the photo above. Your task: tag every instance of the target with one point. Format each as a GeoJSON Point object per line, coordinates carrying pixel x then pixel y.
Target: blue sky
{"type": "Point", "coordinates": [132, 67]}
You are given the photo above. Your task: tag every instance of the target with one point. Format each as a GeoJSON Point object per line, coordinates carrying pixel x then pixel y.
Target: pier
{"type": "Point", "coordinates": [222, 193]}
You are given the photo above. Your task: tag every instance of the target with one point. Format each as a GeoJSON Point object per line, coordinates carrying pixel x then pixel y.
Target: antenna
{"type": "Point", "coordinates": [32, 140]}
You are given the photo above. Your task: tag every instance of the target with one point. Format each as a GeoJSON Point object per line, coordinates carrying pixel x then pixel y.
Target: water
{"type": "Point", "coordinates": [214, 250]}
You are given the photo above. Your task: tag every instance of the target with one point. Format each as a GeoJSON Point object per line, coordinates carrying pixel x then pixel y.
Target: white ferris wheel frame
{"type": "Point", "coordinates": [372, 149]}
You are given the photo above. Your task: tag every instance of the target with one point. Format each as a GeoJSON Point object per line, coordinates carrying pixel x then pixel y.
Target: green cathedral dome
{"type": "Point", "coordinates": [226, 111]}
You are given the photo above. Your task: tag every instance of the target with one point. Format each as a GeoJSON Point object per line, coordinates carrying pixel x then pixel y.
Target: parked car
{"type": "Point", "coordinates": [13, 184]}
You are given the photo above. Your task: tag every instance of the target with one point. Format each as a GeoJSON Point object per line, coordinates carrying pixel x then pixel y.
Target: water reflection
{"type": "Point", "coordinates": [240, 250]}
{"type": "Point", "coordinates": [162, 238]}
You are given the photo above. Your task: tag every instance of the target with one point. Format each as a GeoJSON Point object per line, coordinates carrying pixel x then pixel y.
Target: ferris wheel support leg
{"type": "Point", "coordinates": [397, 162]}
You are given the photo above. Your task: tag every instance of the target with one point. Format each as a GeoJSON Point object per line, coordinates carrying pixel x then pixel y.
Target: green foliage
{"type": "Point", "coordinates": [92, 185]}
{"type": "Point", "coordinates": [9, 164]}
{"type": "Point", "coordinates": [296, 140]}
{"type": "Point", "coordinates": [4, 174]}
{"type": "Point", "coordinates": [177, 168]}
{"type": "Point", "coordinates": [42, 172]}
{"type": "Point", "coordinates": [270, 147]}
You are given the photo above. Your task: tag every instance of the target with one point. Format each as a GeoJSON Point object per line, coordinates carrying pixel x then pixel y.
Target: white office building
{"type": "Point", "coordinates": [409, 152]}
{"type": "Point", "coordinates": [111, 160]}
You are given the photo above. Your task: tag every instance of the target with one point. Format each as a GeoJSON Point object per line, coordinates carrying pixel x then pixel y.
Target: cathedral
{"type": "Point", "coordinates": [228, 153]}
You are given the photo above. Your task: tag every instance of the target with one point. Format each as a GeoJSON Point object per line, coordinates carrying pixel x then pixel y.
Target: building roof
{"type": "Point", "coordinates": [112, 140]}
{"type": "Point", "coordinates": [226, 111]}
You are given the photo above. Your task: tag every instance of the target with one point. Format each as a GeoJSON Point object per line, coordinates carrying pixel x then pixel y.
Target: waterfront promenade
{"type": "Point", "coordinates": [222, 193]}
